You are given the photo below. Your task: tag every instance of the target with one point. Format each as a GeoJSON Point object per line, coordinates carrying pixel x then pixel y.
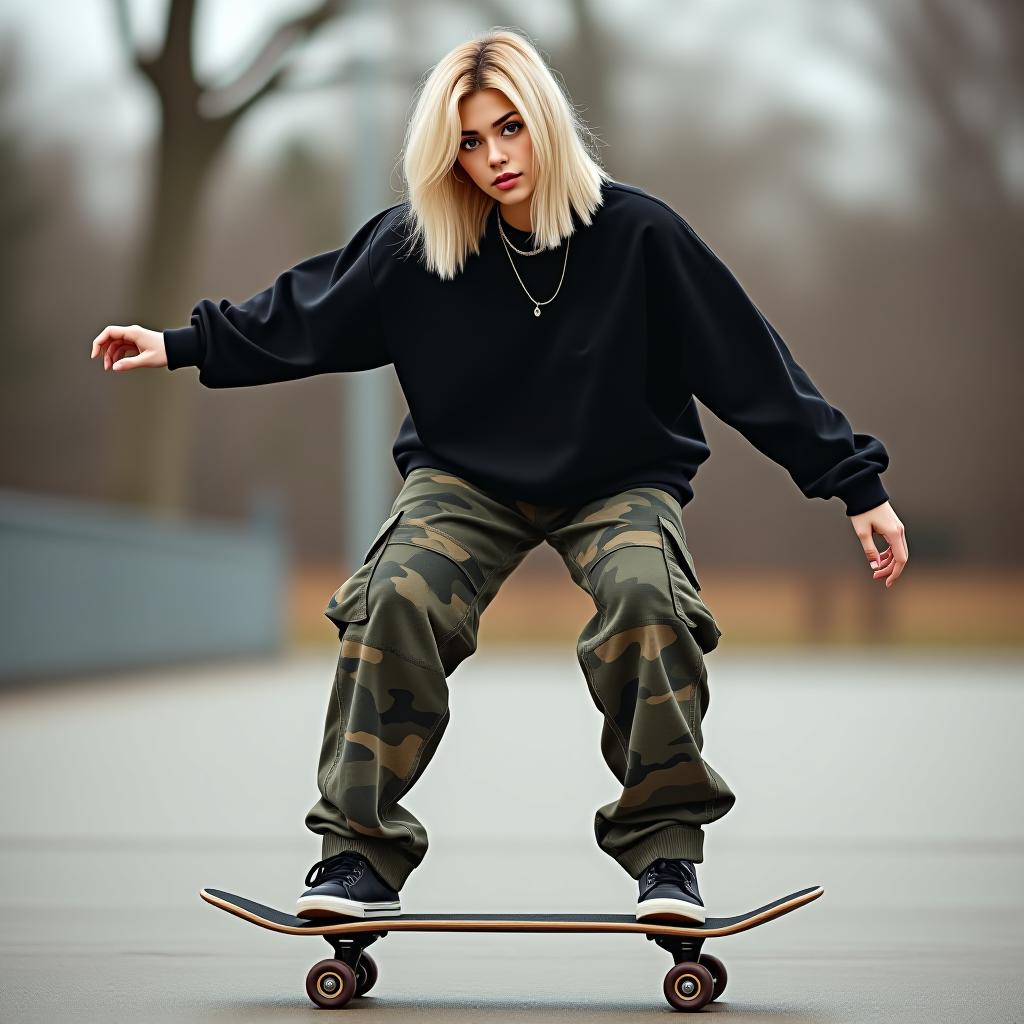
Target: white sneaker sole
{"type": "Point", "coordinates": [677, 909]}
{"type": "Point", "coordinates": [338, 906]}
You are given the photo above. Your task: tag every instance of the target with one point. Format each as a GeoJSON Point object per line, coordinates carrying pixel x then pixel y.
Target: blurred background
{"type": "Point", "coordinates": [860, 167]}
{"type": "Point", "coordinates": [168, 550]}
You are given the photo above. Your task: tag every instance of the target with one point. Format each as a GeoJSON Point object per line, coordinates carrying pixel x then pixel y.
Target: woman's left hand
{"type": "Point", "coordinates": [882, 520]}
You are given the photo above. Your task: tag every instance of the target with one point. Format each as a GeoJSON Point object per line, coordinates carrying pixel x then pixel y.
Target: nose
{"type": "Point", "coordinates": [495, 155]}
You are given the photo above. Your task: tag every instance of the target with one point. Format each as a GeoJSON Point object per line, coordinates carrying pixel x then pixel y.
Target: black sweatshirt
{"type": "Point", "coordinates": [593, 396]}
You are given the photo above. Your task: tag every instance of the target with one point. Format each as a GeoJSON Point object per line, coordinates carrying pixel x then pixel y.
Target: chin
{"type": "Point", "coordinates": [515, 195]}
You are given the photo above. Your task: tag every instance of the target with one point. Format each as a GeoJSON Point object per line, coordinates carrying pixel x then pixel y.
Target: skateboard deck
{"type": "Point", "coordinates": [694, 981]}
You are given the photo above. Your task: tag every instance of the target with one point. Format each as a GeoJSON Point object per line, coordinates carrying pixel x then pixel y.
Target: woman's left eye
{"type": "Point", "coordinates": [517, 124]}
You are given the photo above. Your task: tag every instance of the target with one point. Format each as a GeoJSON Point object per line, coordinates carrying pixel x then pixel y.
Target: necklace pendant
{"type": "Point", "coordinates": [536, 310]}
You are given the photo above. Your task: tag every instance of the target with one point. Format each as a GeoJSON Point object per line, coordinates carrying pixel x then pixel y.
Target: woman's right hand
{"type": "Point", "coordinates": [127, 348]}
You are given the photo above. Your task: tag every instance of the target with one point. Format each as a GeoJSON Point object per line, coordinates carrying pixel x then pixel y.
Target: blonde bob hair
{"type": "Point", "coordinates": [448, 217]}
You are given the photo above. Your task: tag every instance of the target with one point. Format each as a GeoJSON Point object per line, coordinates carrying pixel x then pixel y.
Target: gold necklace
{"type": "Point", "coordinates": [508, 245]}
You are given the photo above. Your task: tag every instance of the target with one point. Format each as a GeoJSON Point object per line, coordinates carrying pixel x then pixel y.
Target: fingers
{"type": "Point", "coordinates": [865, 535]}
{"type": "Point", "coordinates": [104, 338]}
{"type": "Point", "coordinates": [893, 559]}
{"type": "Point", "coordinates": [889, 564]}
{"type": "Point", "coordinates": [901, 555]}
{"type": "Point", "coordinates": [116, 344]}
{"type": "Point", "coordinates": [116, 355]}
{"type": "Point", "coordinates": [112, 353]}
{"type": "Point", "coordinates": [127, 357]}
{"type": "Point", "coordinates": [110, 336]}
{"type": "Point", "coordinates": [98, 342]}
{"type": "Point", "coordinates": [902, 542]}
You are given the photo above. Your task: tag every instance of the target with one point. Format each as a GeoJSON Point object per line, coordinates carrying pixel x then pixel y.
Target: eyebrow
{"type": "Point", "coordinates": [494, 124]}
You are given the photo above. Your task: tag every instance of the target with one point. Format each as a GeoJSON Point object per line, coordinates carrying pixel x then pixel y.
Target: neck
{"type": "Point", "coordinates": [518, 215]}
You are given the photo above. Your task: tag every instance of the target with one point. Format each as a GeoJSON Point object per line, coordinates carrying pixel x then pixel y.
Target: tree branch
{"type": "Point", "coordinates": [124, 30]}
{"type": "Point", "coordinates": [281, 40]}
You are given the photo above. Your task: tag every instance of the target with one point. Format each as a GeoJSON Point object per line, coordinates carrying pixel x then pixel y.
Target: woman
{"type": "Point", "coordinates": [550, 328]}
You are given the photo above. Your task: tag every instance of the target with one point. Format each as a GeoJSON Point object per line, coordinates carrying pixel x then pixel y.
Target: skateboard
{"type": "Point", "coordinates": [694, 980]}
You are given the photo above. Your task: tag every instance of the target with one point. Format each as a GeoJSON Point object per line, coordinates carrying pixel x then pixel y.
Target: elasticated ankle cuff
{"type": "Point", "coordinates": [674, 841]}
{"type": "Point", "coordinates": [393, 869]}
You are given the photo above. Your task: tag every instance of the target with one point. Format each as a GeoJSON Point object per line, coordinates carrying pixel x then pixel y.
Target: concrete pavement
{"type": "Point", "coordinates": [892, 779]}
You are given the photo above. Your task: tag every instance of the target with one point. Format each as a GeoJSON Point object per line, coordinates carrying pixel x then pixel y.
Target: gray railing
{"type": "Point", "coordinates": [89, 587]}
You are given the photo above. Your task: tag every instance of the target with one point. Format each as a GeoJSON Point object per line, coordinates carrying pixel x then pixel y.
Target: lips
{"type": "Point", "coordinates": [504, 177]}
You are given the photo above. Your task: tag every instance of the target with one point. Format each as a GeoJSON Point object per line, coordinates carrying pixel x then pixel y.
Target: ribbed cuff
{"type": "Point", "coordinates": [182, 347]}
{"type": "Point", "coordinates": [384, 857]}
{"type": "Point", "coordinates": [674, 841]}
{"type": "Point", "coordinates": [868, 494]}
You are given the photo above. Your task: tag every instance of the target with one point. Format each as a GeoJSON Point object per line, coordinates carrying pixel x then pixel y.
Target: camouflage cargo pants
{"type": "Point", "coordinates": [410, 614]}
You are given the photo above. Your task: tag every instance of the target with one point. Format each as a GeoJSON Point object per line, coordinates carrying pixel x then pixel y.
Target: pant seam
{"type": "Point", "coordinates": [708, 809]}
{"type": "Point", "coordinates": [398, 654]}
{"type": "Point", "coordinates": [701, 677]}
{"type": "Point", "coordinates": [337, 746]}
{"type": "Point", "coordinates": [710, 812]}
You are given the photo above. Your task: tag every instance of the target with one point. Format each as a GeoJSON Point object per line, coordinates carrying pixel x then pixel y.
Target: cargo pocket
{"type": "Point", "coordinates": [425, 537]}
{"type": "Point", "coordinates": [348, 602]}
{"type": "Point", "coordinates": [683, 577]}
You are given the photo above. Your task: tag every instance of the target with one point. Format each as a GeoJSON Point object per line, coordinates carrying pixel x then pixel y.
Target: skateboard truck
{"type": "Point", "coordinates": [350, 950]}
{"type": "Point", "coordinates": [682, 949]}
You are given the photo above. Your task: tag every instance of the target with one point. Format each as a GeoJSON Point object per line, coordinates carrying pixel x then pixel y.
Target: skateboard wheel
{"type": "Point", "coordinates": [718, 972]}
{"type": "Point", "coordinates": [689, 986]}
{"type": "Point", "coordinates": [366, 973]}
{"type": "Point", "coordinates": [331, 984]}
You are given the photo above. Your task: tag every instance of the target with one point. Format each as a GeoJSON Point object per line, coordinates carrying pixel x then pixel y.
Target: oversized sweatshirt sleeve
{"type": "Point", "coordinates": [737, 365]}
{"type": "Point", "coordinates": [320, 316]}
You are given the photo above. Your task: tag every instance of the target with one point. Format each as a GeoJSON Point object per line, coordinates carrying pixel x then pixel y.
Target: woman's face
{"type": "Point", "coordinates": [495, 141]}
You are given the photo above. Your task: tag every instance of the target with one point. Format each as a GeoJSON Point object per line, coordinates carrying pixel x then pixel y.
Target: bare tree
{"type": "Point", "coordinates": [148, 448]}
{"type": "Point", "coordinates": [21, 212]}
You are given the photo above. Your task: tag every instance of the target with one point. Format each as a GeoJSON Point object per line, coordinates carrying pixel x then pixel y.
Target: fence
{"type": "Point", "coordinates": [90, 587]}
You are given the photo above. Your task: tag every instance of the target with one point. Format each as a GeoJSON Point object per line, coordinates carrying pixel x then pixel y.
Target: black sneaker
{"type": "Point", "coordinates": [668, 888]}
{"type": "Point", "coordinates": [346, 885]}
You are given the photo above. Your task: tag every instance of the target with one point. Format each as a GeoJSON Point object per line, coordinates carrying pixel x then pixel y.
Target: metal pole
{"type": "Point", "coordinates": [366, 489]}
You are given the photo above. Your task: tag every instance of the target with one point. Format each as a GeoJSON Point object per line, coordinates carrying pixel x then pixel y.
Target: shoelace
{"type": "Point", "coordinates": [342, 867]}
{"type": "Point", "coordinates": [674, 871]}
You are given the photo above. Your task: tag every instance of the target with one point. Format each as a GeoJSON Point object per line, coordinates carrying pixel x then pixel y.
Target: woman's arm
{"type": "Point", "coordinates": [320, 316]}
{"type": "Point", "coordinates": [738, 365]}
